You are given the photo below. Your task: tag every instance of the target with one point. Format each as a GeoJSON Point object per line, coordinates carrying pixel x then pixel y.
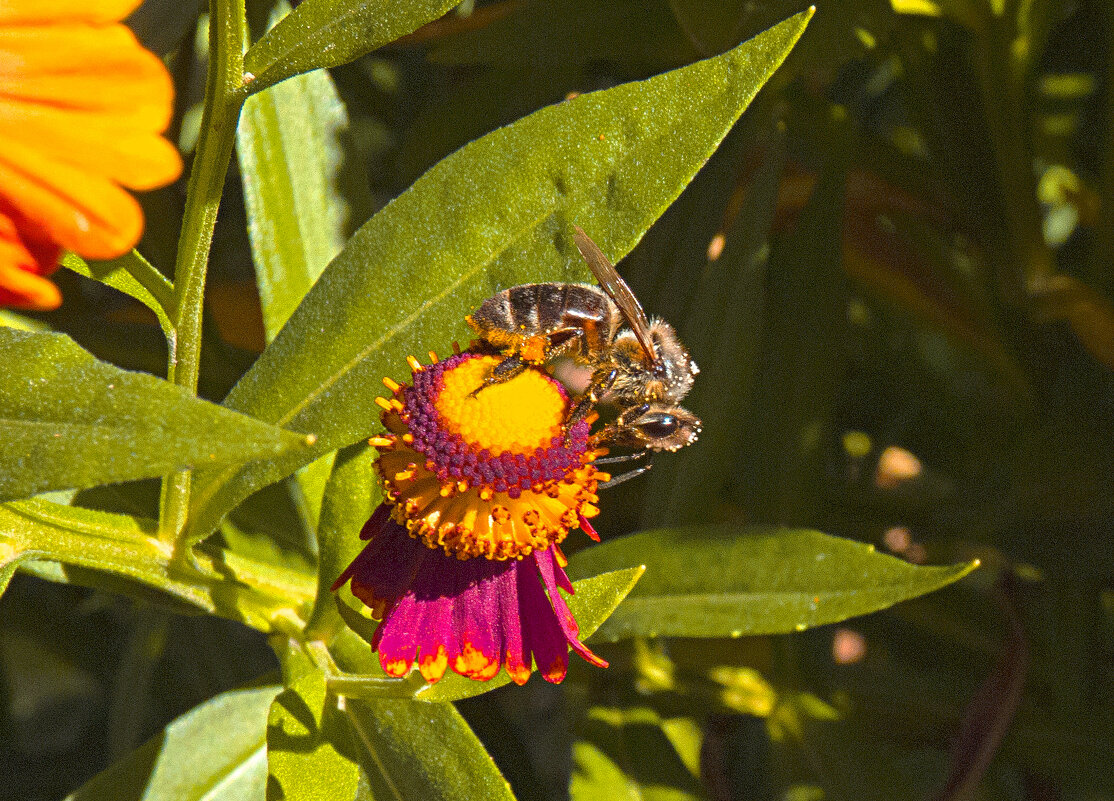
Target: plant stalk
{"type": "Point", "coordinates": [224, 97]}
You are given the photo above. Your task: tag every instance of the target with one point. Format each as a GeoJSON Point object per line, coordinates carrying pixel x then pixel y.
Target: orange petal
{"type": "Point", "coordinates": [95, 143]}
{"type": "Point", "coordinates": [95, 11]}
{"type": "Point", "coordinates": [115, 135]}
{"type": "Point", "coordinates": [21, 266]}
{"type": "Point", "coordinates": [86, 67]}
{"type": "Point", "coordinates": [80, 210]}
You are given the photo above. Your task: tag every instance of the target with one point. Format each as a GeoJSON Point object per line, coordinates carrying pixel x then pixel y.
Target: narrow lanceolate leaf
{"type": "Point", "coordinates": [410, 749]}
{"type": "Point", "coordinates": [155, 291]}
{"type": "Point", "coordinates": [328, 33]}
{"type": "Point", "coordinates": [718, 581]}
{"type": "Point", "coordinates": [595, 599]}
{"type": "Point", "coordinates": [496, 213]}
{"type": "Point", "coordinates": [10, 557]}
{"type": "Point", "coordinates": [69, 421]}
{"type": "Point", "coordinates": [351, 495]}
{"type": "Point", "coordinates": [289, 159]}
{"type": "Point", "coordinates": [215, 752]}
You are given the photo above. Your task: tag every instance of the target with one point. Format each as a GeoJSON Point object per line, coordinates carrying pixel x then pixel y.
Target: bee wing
{"type": "Point", "coordinates": [614, 285]}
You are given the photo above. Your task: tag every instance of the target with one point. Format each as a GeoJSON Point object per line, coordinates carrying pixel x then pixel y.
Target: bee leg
{"type": "Point", "coordinates": [501, 373]}
{"type": "Point", "coordinates": [620, 431]}
{"type": "Point", "coordinates": [601, 382]}
{"type": "Point", "coordinates": [627, 476]}
{"type": "Point", "coordinates": [626, 457]}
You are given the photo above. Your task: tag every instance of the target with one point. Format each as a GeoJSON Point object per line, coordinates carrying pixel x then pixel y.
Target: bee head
{"type": "Point", "coordinates": [659, 427]}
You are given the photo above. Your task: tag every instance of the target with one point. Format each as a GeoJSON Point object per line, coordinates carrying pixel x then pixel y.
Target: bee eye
{"type": "Point", "coordinates": [660, 425]}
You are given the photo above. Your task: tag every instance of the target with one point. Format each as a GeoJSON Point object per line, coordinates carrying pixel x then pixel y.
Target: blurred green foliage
{"type": "Point", "coordinates": [895, 273]}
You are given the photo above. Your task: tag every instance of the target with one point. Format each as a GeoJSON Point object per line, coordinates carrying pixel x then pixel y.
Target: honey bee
{"type": "Point", "coordinates": [643, 369]}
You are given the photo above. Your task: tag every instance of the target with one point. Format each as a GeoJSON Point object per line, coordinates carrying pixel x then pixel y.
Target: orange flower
{"type": "Point", "coordinates": [82, 107]}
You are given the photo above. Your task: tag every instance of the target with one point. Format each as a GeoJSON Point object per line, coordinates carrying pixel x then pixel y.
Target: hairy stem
{"type": "Point", "coordinates": [224, 97]}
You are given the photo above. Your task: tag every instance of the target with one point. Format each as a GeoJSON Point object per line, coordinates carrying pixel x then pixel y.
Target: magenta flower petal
{"type": "Point", "coordinates": [385, 568]}
{"type": "Point", "coordinates": [553, 577]}
{"type": "Point", "coordinates": [544, 638]}
{"type": "Point", "coordinates": [473, 616]}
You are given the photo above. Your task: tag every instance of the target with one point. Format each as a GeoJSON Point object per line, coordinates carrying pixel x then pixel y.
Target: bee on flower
{"type": "Point", "coordinates": [488, 466]}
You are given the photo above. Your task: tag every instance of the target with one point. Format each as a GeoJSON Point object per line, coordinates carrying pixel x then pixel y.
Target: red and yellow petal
{"type": "Point", "coordinates": [81, 211]}
{"type": "Point", "coordinates": [470, 616]}
{"type": "Point", "coordinates": [104, 70]}
{"type": "Point", "coordinates": [23, 262]}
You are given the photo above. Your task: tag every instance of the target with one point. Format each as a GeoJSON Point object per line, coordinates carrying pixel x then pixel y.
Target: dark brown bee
{"type": "Point", "coordinates": [642, 369]}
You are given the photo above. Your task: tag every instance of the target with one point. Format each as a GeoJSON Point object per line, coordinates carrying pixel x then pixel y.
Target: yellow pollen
{"type": "Point", "coordinates": [519, 415]}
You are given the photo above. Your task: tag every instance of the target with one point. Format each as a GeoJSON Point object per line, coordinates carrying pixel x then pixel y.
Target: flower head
{"type": "Point", "coordinates": [491, 473]}
{"type": "Point", "coordinates": [82, 107]}
{"type": "Point", "coordinates": [463, 563]}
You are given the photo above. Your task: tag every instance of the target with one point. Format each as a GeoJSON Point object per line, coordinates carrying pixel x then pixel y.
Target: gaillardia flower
{"type": "Point", "coordinates": [463, 564]}
{"type": "Point", "coordinates": [82, 107]}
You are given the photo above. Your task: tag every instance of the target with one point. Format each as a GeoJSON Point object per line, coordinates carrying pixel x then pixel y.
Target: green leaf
{"type": "Point", "coordinates": [328, 33]}
{"type": "Point", "coordinates": [215, 752]}
{"type": "Point", "coordinates": [309, 749]}
{"type": "Point", "coordinates": [69, 421]}
{"type": "Point", "coordinates": [595, 599]}
{"type": "Point", "coordinates": [290, 159]}
{"type": "Point", "coordinates": [498, 212]}
{"type": "Point", "coordinates": [412, 749]}
{"type": "Point", "coordinates": [121, 554]}
{"type": "Point", "coordinates": [719, 581]}
{"type": "Point", "coordinates": [133, 275]}
{"type": "Point", "coordinates": [10, 558]}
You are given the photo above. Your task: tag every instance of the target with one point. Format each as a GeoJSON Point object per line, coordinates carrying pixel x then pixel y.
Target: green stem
{"type": "Point", "coordinates": [150, 279]}
{"type": "Point", "coordinates": [224, 97]}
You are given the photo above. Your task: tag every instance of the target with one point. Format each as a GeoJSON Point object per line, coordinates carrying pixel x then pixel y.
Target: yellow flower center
{"type": "Point", "coordinates": [496, 474]}
{"type": "Point", "coordinates": [519, 416]}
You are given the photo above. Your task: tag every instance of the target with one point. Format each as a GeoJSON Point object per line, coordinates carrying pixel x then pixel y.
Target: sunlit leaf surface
{"type": "Point", "coordinates": [217, 750]}
{"type": "Point", "coordinates": [711, 581]}
{"type": "Point", "coordinates": [69, 421]}
{"type": "Point", "coordinates": [328, 33]}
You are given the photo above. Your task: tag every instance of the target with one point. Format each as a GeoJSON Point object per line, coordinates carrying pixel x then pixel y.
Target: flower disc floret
{"type": "Point", "coordinates": [518, 416]}
{"type": "Point", "coordinates": [493, 473]}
